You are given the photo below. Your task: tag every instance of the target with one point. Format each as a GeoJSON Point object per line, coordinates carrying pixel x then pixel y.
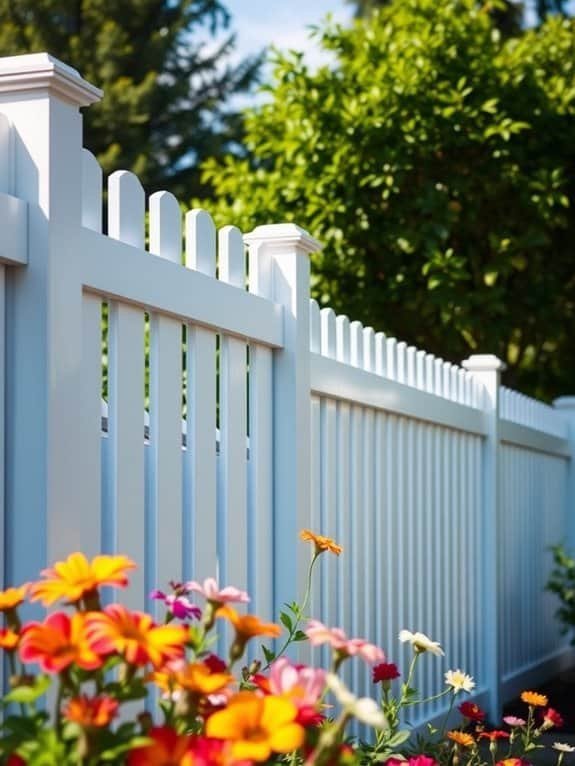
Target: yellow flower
{"type": "Point", "coordinates": [461, 738]}
{"type": "Point", "coordinates": [76, 577]}
{"type": "Point", "coordinates": [534, 698]}
{"type": "Point", "coordinates": [321, 543]}
{"type": "Point", "coordinates": [12, 597]}
{"type": "Point", "coordinates": [257, 726]}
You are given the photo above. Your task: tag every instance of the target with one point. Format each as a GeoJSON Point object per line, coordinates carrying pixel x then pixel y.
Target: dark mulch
{"type": "Point", "coordinates": [561, 694]}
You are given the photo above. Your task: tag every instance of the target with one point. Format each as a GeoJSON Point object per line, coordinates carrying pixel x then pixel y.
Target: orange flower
{"type": "Point", "coordinates": [168, 748]}
{"type": "Point", "coordinates": [534, 698]}
{"type": "Point", "coordinates": [8, 639]}
{"type": "Point", "coordinates": [197, 678]}
{"type": "Point", "coordinates": [135, 636]}
{"type": "Point", "coordinates": [321, 543]}
{"type": "Point", "coordinates": [461, 738]}
{"type": "Point", "coordinates": [248, 625]}
{"type": "Point", "coordinates": [12, 597]}
{"type": "Point", "coordinates": [257, 726]}
{"type": "Point", "coordinates": [91, 712]}
{"type": "Point", "coordinates": [58, 642]}
{"type": "Point", "coordinates": [76, 577]}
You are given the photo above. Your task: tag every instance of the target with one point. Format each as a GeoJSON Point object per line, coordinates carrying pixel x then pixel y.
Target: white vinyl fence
{"type": "Point", "coordinates": [236, 413]}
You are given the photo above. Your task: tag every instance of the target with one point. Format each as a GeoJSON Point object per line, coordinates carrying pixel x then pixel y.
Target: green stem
{"type": "Point", "coordinates": [429, 699]}
{"type": "Point", "coordinates": [407, 684]}
{"type": "Point", "coordinates": [446, 718]}
{"type": "Point", "coordinates": [300, 611]}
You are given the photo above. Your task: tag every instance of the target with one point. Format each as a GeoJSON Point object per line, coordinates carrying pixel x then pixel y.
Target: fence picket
{"type": "Point", "coordinates": [232, 510]}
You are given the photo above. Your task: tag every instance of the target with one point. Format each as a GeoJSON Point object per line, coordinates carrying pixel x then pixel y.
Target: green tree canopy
{"type": "Point", "coordinates": [166, 78]}
{"type": "Point", "coordinates": [436, 162]}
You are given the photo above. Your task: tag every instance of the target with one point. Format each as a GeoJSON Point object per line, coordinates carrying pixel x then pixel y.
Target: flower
{"type": "Point", "coordinates": [461, 738]}
{"type": "Point", "coordinates": [134, 635]}
{"type": "Point", "coordinates": [459, 681]}
{"type": "Point", "coordinates": [8, 639]}
{"type": "Point", "coordinates": [197, 678]}
{"type": "Point", "coordinates": [12, 597]}
{"type": "Point", "coordinates": [210, 591]}
{"type": "Point", "coordinates": [214, 663]}
{"type": "Point", "coordinates": [302, 684]}
{"type": "Point", "coordinates": [318, 633]}
{"type": "Point", "coordinates": [385, 671]}
{"type": "Point", "coordinates": [168, 748]}
{"type": "Point", "coordinates": [534, 699]}
{"type": "Point", "coordinates": [248, 625]}
{"type": "Point", "coordinates": [472, 711]}
{"type": "Point", "coordinates": [494, 735]}
{"type": "Point", "coordinates": [415, 760]}
{"type": "Point", "coordinates": [257, 726]}
{"type": "Point", "coordinates": [513, 721]}
{"type": "Point", "coordinates": [58, 642]}
{"type": "Point", "coordinates": [91, 712]}
{"type": "Point", "coordinates": [76, 577]}
{"type": "Point", "coordinates": [180, 606]}
{"type": "Point", "coordinates": [563, 747]}
{"type": "Point", "coordinates": [513, 762]}
{"type": "Point", "coordinates": [551, 718]}
{"type": "Point", "coordinates": [321, 543]}
{"type": "Point", "coordinates": [365, 709]}
{"type": "Point", "coordinates": [421, 643]}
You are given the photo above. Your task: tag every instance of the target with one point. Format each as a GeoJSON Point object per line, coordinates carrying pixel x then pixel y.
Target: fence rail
{"type": "Point", "coordinates": [237, 412]}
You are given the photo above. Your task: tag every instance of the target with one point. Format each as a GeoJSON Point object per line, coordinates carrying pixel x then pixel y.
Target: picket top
{"type": "Point", "coordinates": [41, 72]}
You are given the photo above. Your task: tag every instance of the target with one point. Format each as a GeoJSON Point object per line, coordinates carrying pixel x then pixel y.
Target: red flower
{"type": "Point", "coordinates": [15, 760]}
{"type": "Point", "coordinates": [385, 671]}
{"type": "Point", "coordinates": [214, 663]}
{"type": "Point", "coordinates": [494, 735]}
{"type": "Point", "coordinates": [552, 718]}
{"type": "Point", "coordinates": [471, 711]}
{"type": "Point", "coordinates": [513, 762]}
{"type": "Point", "coordinates": [58, 642]}
{"type": "Point", "coordinates": [168, 748]}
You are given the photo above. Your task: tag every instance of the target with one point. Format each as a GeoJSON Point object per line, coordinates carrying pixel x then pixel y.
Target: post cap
{"type": "Point", "coordinates": [484, 363]}
{"type": "Point", "coordinates": [40, 71]}
{"type": "Point", "coordinates": [283, 235]}
{"type": "Point", "coordinates": [564, 403]}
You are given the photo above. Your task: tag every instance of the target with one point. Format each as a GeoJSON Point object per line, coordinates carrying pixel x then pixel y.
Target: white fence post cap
{"type": "Point", "coordinates": [483, 363]}
{"type": "Point", "coordinates": [284, 235]}
{"type": "Point", "coordinates": [40, 71]}
{"type": "Point", "coordinates": [564, 403]}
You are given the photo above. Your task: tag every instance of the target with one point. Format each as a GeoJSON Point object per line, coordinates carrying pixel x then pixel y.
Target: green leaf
{"type": "Point", "coordinates": [285, 620]}
{"type": "Point", "coordinates": [28, 694]}
{"type": "Point", "coordinates": [268, 654]}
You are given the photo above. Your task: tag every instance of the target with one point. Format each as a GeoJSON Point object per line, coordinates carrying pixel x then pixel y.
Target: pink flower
{"type": "Point", "coordinates": [180, 606]}
{"type": "Point", "coordinates": [210, 591]}
{"type": "Point", "coordinates": [304, 685]}
{"type": "Point", "coordinates": [415, 760]}
{"type": "Point", "coordinates": [512, 720]}
{"type": "Point", "coordinates": [318, 633]}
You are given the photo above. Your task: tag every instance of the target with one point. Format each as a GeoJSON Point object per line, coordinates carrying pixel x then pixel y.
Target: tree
{"type": "Point", "coordinates": [166, 81]}
{"type": "Point", "coordinates": [507, 14]}
{"type": "Point", "coordinates": [437, 165]}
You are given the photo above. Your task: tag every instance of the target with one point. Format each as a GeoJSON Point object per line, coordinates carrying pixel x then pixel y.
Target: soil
{"type": "Point", "coordinates": [560, 692]}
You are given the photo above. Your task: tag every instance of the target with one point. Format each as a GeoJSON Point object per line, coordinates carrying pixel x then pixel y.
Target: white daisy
{"type": "Point", "coordinates": [364, 709]}
{"type": "Point", "coordinates": [563, 747]}
{"type": "Point", "coordinates": [459, 681]}
{"type": "Point", "coordinates": [421, 643]}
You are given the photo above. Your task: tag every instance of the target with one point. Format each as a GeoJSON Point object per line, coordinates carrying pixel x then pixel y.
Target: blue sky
{"type": "Point", "coordinates": [259, 23]}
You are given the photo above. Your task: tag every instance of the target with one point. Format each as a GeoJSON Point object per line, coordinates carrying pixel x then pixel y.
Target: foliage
{"type": "Point", "coordinates": [103, 660]}
{"type": "Point", "coordinates": [562, 584]}
{"type": "Point", "coordinates": [507, 13]}
{"type": "Point", "coordinates": [436, 164]}
{"type": "Point", "coordinates": [166, 79]}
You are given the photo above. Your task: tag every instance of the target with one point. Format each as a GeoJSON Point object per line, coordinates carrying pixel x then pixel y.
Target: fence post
{"type": "Point", "coordinates": [279, 263]}
{"type": "Point", "coordinates": [45, 465]}
{"type": "Point", "coordinates": [566, 406]}
{"type": "Point", "coordinates": [487, 369]}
